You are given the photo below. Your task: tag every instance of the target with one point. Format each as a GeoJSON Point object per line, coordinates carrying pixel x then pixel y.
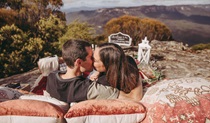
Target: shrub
{"type": "Point", "coordinates": [200, 46]}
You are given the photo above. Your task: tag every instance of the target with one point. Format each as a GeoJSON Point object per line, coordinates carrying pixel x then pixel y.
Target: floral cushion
{"type": "Point", "coordinates": [178, 100]}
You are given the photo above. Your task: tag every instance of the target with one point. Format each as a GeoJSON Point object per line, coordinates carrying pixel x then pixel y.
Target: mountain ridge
{"type": "Point", "coordinates": [191, 20]}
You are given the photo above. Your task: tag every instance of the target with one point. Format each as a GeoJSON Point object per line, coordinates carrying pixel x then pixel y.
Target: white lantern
{"type": "Point", "coordinates": [144, 51]}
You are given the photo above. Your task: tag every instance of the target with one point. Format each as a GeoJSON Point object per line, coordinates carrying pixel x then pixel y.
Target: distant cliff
{"type": "Point", "coordinates": [189, 23]}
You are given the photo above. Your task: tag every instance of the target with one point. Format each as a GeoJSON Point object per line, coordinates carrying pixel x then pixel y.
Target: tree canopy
{"type": "Point", "coordinates": [28, 12]}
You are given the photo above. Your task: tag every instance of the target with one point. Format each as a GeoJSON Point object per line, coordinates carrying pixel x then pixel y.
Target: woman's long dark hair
{"type": "Point", "coordinates": [119, 72]}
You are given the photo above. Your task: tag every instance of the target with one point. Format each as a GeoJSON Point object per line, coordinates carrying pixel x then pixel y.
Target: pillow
{"type": "Point", "coordinates": [48, 64]}
{"type": "Point", "coordinates": [8, 94]}
{"type": "Point", "coordinates": [178, 100]}
{"type": "Point", "coordinates": [106, 111]}
{"type": "Point", "coordinates": [63, 105]}
{"type": "Point", "coordinates": [33, 111]}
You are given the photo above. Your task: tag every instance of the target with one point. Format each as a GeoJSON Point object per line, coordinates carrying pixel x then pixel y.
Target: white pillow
{"type": "Point", "coordinates": [48, 64]}
{"type": "Point", "coordinates": [63, 105]}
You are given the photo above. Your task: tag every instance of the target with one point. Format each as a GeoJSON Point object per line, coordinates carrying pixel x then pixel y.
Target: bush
{"type": "Point", "coordinates": [200, 46]}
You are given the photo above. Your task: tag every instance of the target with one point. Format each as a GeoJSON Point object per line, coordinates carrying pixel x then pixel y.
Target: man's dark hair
{"type": "Point", "coordinates": [74, 49]}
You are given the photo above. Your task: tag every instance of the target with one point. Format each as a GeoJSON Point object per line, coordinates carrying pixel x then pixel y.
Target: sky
{"type": "Point", "coordinates": [127, 3]}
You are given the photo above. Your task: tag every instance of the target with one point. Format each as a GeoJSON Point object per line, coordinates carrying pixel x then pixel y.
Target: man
{"type": "Point", "coordinates": [71, 86]}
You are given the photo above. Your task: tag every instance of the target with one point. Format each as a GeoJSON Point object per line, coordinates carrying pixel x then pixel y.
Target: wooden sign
{"type": "Point", "coordinates": [120, 39]}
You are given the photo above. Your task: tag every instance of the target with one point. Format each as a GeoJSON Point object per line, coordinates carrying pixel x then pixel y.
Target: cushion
{"type": "Point", "coordinates": [106, 111]}
{"type": "Point", "coordinates": [48, 64]}
{"type": "Point", "coordinates": [63, 105]}
{"type": "Point", "coordinates": [8, 94]}
{"type": "Point", "coordinates": [33, 111]}
{"type": "Point", "coordinates": [178, 100]}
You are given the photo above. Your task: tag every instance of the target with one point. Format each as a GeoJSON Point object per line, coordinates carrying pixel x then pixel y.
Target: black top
{"type": "Point", "coordinates": [67, 90]}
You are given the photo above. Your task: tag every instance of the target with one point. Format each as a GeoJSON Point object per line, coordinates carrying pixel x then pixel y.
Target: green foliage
{"type": "Point", "coordinates": [12, 40]}
{"type": "Point", "coordinates": [200, 46]}
{"type": "Point", "coordinates": [28, 31]}
{"type": "Point", "coordinates": [18, 52]}
{"type": "Point", "coordinates": [138, 28]}
{"type": "Point", "coordinates": [78, 30]}
{"type": "Point", "coordinates": [32, 49]}
{"type": "Point", "coordinates": [29, 12]}
{"type": "Point", "coordinates": [10, 36]}
{"type": "Point", "coordinates": [49, 30]}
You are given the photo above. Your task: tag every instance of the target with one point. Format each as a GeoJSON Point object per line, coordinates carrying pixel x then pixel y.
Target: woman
{"type": "Point", "coordinates": [116, 68]}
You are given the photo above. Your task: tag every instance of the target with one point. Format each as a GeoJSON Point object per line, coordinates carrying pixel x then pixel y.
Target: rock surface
{"type": "Point", "coordinates": [28, 77]}
{"type": "Point", "coordinates": [171, 58]}
{"type": "Point", "coordinates": [176, 60]}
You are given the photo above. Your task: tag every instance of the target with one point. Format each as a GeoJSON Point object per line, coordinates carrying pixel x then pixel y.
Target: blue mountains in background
{"type": "Point", "coordinates": [189, 24]}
